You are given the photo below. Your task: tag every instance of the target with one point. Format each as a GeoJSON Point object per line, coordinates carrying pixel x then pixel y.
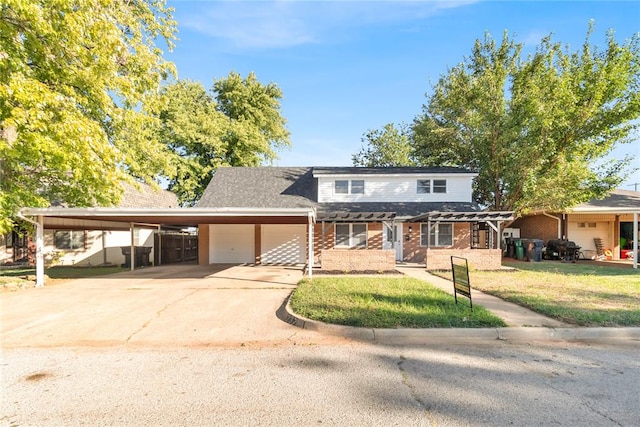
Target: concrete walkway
{"type": "Point", "coordinates": [512, 314]}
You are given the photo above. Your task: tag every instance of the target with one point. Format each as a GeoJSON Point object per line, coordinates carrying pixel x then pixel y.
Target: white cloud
{"type": "Point", "coordinates": [275, 24]}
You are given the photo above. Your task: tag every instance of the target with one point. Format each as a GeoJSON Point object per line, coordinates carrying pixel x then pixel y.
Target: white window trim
{"type": "Point", "coordinates": [351, 236]}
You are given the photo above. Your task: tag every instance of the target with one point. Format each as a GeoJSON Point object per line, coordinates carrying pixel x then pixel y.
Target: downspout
{"type": "Point", "coordinates": [39, 247]}
{"type": "Point", "coordinates": [559, 223]}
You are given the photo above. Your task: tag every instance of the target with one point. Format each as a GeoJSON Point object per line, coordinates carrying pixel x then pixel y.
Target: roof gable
{"type": "Point", "coordinates": [260, 187]}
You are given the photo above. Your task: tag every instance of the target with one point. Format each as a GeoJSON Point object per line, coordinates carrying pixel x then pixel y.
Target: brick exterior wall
{"type": "Point", "coordinates": [478, 259]}
{"type": "Point", "coordinates": [537, 227]}
{"type": "Point", "coordinates": [413, 252]}
{"type": "Point", "coordinates": [374, 238]}
{"type": "Point", "coordinates": [358, 260]}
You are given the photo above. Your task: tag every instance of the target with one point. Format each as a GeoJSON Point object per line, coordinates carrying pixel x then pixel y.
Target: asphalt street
{"type": "Point", "coordinates": [331, 384]}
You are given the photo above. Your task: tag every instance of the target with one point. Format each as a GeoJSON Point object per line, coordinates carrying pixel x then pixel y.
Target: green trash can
{"type": "Point", "coordinates": [519, 249]}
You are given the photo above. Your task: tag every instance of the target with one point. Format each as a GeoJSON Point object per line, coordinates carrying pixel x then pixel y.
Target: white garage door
{"type": "Point", "coordinates": [583, 233]}
{"type": "Point", "coordinates": [231, 243]}
{"type": "Point", "coordinates": [283, 244]}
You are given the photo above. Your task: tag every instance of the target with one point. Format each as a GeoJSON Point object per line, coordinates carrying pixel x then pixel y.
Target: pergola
{"type": "Point", "coordinates": [493, 220]}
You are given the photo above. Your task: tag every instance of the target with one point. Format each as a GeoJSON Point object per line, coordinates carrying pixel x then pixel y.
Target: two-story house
{"type": "Point", "coordinates": [338, 218]}
{"type": "Point", "coordinates": [365, 218]}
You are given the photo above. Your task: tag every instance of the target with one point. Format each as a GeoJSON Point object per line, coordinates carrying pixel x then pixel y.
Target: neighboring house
{"type": "Point", "coordinates": [85, 245]}
{"type": "Point", "coordinates": [366, 218]}
{"type": "Point", "coordinates": [611, 220]}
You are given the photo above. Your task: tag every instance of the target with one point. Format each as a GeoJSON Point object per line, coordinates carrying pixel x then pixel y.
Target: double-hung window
{"type": "Point", "coordinates": [439, 185]}
{"type": "Point", "coordinates": [344, 186]}
{"type": "Point", "coordinates": [441, 234]}
{"type": "Point", "coordinates": [423, 186]}
{"type": "Point", "coordinates": [426, 186]}
{"type": "Point", "coordinates": [351, 236]}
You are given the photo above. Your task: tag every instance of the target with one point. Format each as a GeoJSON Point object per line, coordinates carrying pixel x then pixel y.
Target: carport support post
{"type": "Point", "coordinates": [310, 239]}
{"type": "Point", "coordinates": [133, 247]}
{"type": "Point", "coordinates": [159, 248]}
{"type": "Point", "coordinates": [39, 251]}
{"type": "Point", "coordinates": [635, 240]}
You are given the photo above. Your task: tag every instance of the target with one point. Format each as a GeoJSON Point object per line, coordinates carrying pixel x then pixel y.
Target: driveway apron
{"type": "Point", "coordinates": [167, 305]}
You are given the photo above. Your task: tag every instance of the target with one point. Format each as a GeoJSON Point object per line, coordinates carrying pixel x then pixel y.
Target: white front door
{"type": "Point", "coordinates": [389, 232]}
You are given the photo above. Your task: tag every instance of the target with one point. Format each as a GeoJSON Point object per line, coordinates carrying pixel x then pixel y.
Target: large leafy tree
{"type": "Point", "coordinates": [389, 146]}
{"type": "Point", "coordinates": [537, 128]}
{"type": "Point", "coordinates": [237, 123]}
{"type": "Point", "coordinates": [73, 74]}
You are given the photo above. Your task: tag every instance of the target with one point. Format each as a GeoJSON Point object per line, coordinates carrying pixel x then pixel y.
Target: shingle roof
{"type": "Point", "coordinates": [402, 209]}
{"type": "Point", "coordinates": [292, 187]}
{"type": "Point", "coordinates": [145, 196]}
{"type": "Point", "coordinates": [617, 199]}
{"type": "Point", "coordinates": [260, 187]}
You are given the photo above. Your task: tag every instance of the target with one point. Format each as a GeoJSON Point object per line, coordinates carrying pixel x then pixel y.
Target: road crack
{"type": "Point", "coordinates": [413, 391]}
{"type": "Point", "coordinates": [159, 312]}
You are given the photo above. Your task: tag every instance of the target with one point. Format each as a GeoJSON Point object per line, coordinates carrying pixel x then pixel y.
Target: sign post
{"type": "Point", "coordinates": [461, 283]}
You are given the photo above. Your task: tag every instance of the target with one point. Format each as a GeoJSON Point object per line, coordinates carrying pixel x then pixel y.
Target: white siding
{"type": "Point", "coordinates": [397, 188]}
{"type": "Point", "coordinates": [231, 243]}
{"type": "Point", "coordinates": [283, 244]}
{"type": "Point", "coordinates": [94, 254]}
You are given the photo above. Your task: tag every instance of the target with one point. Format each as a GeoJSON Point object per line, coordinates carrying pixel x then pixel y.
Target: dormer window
{"type": "Point", "coordinates": [342, 187]}
{"type": "Point", "coordinates": [424, 186]}
{"type": "Point", "coordinates": [439, 185]}
{"type": "Point", "coordinates": [355, 186]}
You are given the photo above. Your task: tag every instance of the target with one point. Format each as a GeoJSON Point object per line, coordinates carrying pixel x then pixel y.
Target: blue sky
{"type": "Point", "coordinates": [346, 67]}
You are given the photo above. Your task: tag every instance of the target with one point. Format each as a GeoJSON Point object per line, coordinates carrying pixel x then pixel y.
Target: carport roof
{"type": "Point", "coordinates": [121, 218]}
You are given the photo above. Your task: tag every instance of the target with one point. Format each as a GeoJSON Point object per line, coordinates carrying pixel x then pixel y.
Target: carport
{"type": "Point", "coordinates": [131, 218]}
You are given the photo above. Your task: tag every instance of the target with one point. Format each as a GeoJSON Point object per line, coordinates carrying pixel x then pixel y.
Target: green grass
{"type": "Point", "coordinates": [584, 293]}
{"type": "Point", "coordinates": [385, 302]}
{"type": "Point", "coordinates": [58, 273]}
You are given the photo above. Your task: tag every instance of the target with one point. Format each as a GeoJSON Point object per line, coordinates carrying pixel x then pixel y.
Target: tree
{"type": "Point", "coordinates": [389, 146]}
{"type": "Point", "coordinates": [73, 74]}
{"type": "Point", "coordinates": [537, 128]}
{"type": "Point", "coordinates": [237, 124]}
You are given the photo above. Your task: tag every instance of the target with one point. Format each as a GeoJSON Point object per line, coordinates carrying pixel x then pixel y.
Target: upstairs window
{"type": "Point", "coordinates": [351, 236]}
{"type": "Point", "coordinates": [423, 186]}
{"type": "Point", "coordinates": [343, 186]}
{"type": "Point", "coordinates": [71, 240]}
{"type": "Point", "coordinates": [357, 186]}
{"type": "Point", "coordinates": [439, 185]}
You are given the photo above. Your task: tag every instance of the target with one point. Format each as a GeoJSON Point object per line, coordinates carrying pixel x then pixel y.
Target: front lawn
{"type": "Point", "coordinates": [584, 293]}
{"type": "Point", "coordinates": [385, 302]}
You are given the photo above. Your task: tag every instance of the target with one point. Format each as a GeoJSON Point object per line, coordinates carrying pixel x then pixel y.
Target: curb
{"type": "Point", "coordinates": [459, 335]}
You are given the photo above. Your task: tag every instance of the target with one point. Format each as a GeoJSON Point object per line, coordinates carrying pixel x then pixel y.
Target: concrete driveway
{"type": "Point", "coordinates": [166, 305]}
